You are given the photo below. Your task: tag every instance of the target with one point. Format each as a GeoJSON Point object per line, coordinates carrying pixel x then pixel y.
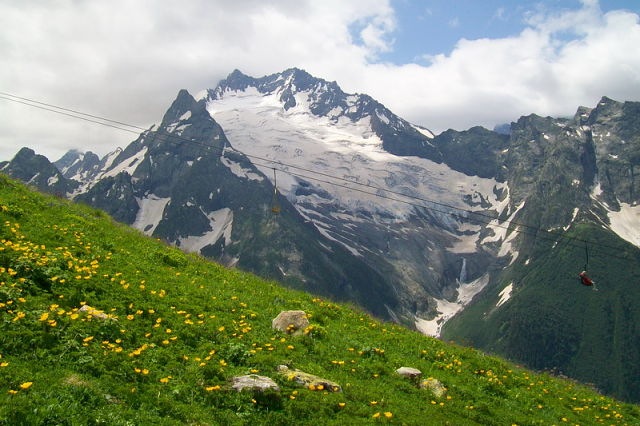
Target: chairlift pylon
{"type": "Point", "coordinates": [275, 205]}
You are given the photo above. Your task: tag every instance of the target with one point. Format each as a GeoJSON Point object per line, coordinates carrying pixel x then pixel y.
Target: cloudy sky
{"type": "Point", "coordinates": [437, 63]}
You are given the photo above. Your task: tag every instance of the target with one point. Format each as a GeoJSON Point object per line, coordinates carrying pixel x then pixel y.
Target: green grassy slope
{"type": "Point", "coordinates": [178, 328]}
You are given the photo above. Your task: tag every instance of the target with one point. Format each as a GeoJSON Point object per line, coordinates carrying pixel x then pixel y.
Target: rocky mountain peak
{"type": "Point", "coordinates": [69, 158]}
{"type": "Point", "coordinates": [606, 109]}
{"type": "Point", "coordinates": [182, 108]}
{"type": "Point", "coordinates": [38, 171]}
{"type": "Point", "coordinates": [74, 163]}
{"type": "Point", "coordinates": [236, 81]}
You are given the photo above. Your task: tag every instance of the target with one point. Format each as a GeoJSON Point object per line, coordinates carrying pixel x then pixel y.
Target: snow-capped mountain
{"type": "Point", "coordinates": [412, 226]}
{"type": "Point", "coordinates": [337, 157]}
{"type": "Point", "coordinates": [295, 91]}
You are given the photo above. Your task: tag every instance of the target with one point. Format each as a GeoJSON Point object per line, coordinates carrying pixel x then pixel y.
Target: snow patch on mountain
{"type": "Point", "coordinates": [128, 165]}
{"type": "Point", "coordinates": [220, 221]}
{"type": "Point", "coordinates": [502, 230]}
{"type": "Point", "coordinates": [34, 178]}
{"type": "Point", "coordinates": [576, 210]}
{"type": "Point", "coordinates": [237, 168]}
{"type": "Point", "coordinates": [626, 223]}
{"type": "Point", "coordinates": [177, 128]}
{"type": "Point", "coordinates": [423, 131]}
{"type": "Point", "coordinates": [596, 192]}
{"type": "Point", "coordinates": [53, 180]}
{"type": "Point", "coordinates": [78, 160]}
{"type": "Point", "coordinates": [326, 232]}
{"type": "Point", "coordinates": [505, 295]}
{"type": "Point", "coordinates": [447, 309]}
{"type": "Point", "coordinates": [469, 240]}
{"type": "Point", "coordinates": [110, 158]}
{"type": "Point", "coordinates": [150, 213]}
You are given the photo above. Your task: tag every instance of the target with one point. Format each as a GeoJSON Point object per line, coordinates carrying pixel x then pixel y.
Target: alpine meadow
{"type": "Point", "coordinates": [103, 325]}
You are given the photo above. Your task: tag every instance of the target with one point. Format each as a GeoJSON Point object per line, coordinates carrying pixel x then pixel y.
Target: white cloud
{"type": "Point", "coordinates": [127, 60]}
{"type": "Point", "coordinates": [541, 70]}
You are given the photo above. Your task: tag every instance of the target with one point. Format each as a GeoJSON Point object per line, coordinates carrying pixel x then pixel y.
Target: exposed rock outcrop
{"type": "Point", "coordinates": [291, 322]}
{"type": "Point", "coordinates": [435, 386]}
{"type": "Point", "coordinates": [307, 380]}
{"type": "Point", "coordinates": [254, 382]}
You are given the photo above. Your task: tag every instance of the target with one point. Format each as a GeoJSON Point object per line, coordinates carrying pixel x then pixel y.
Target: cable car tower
{"type": "Point", "coordinates": [275, 205]}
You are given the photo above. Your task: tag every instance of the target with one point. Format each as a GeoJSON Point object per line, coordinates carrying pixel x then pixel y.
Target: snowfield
{"type": "Point", "coordinates": [447, 309]}
{"type": "Point", "coordinates": [626, 223]}
{"type": "Point", "coordinates": [341, 157]}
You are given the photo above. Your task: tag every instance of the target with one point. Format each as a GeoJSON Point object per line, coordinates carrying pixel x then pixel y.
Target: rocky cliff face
{"type": "Point", "coordinates": [573, 182]}
{"type": "Point", "coordinates": [614, 130]}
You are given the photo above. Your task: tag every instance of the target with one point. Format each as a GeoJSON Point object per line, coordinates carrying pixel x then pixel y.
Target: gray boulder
{"type": "Point", "coordinates": [435, 386]}
{"type": "Point", "coordinates": [290, 322]}
{"type": "Point", "coordinates": [409, 372]}
{"type": "Point", "coordinates": [307, 380]}
{"type": "Point", "coordinates": [254, 382]}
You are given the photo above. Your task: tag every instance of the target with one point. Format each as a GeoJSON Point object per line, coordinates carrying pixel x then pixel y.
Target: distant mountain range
{"type": "Point", "coordinates": [493, 226]}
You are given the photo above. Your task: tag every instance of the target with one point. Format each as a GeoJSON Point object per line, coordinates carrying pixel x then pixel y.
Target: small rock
{"type": "Point", "coordinates": [308, 380]}
{"type": "Point", "coordinates": [435, 386]}
{"type": "Point", "coordinates": [96, 313]}
{"type": "Point", "coordinates": [253, 382]}
{"type": "Point", "coordinates": [409, 372]}
{"type": "Point", "coordinates": [291, 322]}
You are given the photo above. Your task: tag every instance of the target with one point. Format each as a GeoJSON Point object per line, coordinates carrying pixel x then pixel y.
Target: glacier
{"type": "Point", "coordinates": [343, 171]}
